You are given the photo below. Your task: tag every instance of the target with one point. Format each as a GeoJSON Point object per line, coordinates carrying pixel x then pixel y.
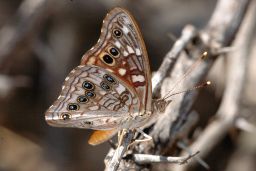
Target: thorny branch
{"type": "Point", "coordinates": [168, 127]}
{"type": "Point", "coordinates": [228, 111]}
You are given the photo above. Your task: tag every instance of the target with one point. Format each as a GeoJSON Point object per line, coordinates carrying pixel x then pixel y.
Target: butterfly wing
{"type": "Point", "coordinates": [94, 98]}
{"type": "Point", "coordinates": [121, 50]}
{"type": "Point", "coordinates": [100, 136]}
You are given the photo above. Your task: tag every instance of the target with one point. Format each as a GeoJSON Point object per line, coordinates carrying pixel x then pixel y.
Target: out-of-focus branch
{"type": "Point", "coordinates": [18, 34]}
{"type": "Point", "coordinates": [244, 125]}
{"type": "Point", "coordinates": [7, 84]}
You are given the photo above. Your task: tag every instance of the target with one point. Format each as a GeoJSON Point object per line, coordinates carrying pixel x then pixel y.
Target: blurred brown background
{"type": "Point", "coordinates": [41, 41]}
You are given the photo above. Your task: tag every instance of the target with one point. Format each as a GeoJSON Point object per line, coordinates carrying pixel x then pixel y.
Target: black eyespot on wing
{"type": "Point", "coordinates": [105, 86]}
{"type": "Point", "coordinates": [90, 94]}
{"type": "Point", "coordinates": [65, 116]}
{"type": "Point", "coordinates": [113, 51]}
{"type": "Point", "coordinates": [108, 59]}
{"type": "Point", "coordinates": [110, 79]}
{"type": "Point", "coordinates": [117, 33]}
{"type": "Point", "coordinates": [88, 122]}
{"type": "Point", "coordinates": [88, 85]}
{"type": "Point", "coordinates": [73, 106]}
{"type": "Point", "coordinates": [82, 99]}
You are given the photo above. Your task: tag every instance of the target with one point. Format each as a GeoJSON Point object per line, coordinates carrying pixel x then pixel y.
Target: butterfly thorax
{"type": "Point", "coordinates": [139, 119]}
{"type": "Point", "coordinates": [136, 120]}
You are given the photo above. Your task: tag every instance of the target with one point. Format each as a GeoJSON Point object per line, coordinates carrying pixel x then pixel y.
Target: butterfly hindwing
{"type": "Point", "coordinates": [94, 98]}
{"type": "Point", "coordinates": [121, 50]}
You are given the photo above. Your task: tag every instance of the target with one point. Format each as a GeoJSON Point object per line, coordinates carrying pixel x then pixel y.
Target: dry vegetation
{"type": "Point", "coordinates": [42, 40]}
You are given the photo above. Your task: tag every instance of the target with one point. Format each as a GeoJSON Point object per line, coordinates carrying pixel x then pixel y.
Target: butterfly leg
{"type": "Point", "coordinates": [121, 136]}
{"type": "Point", "coordinates": [146, 139]}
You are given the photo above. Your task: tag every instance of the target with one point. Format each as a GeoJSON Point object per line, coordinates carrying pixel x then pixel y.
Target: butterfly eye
{"type": "Point", "coordinates": [113, 51]}
{"type": "Point", "coordinates": [73, 106]}
{"type": "Point", "coordinates": [88, 85]}
{"type": "Point", "coordinates": [90, 94]}
{"type": "Point", "coordinates": [105, 86]}
{"type": "Point", "coordinates": [82, 99]}
{"type": "Point", "coordinates": [117, 33]}
{"type": "Point", "coordinates": [65, 116]}
{"type": "Point", "coordinates": [109, 79]}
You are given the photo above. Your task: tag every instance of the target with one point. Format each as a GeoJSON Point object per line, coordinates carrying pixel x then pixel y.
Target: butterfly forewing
{"type": "Point", "coordinates": [94, 98]}
{"type": "Point", "coordinates": [121, 50]}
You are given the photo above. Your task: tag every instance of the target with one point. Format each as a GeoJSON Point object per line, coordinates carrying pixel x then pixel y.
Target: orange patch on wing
{"type": "Point", "coordinates": [100, 136]}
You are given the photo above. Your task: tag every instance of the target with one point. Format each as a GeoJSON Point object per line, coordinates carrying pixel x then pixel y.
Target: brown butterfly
{"type": "Point", "coordinates": [111, 89]}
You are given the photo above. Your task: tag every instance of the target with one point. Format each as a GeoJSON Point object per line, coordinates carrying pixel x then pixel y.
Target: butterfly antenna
{"type": "Point", "coordinates": [191, 68]}
{"type": "Point", "coordinates": [191, 89]}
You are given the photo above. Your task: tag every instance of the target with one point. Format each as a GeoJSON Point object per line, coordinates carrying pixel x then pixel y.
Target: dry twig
{"type": "Point", "coordinates": [146, 159]}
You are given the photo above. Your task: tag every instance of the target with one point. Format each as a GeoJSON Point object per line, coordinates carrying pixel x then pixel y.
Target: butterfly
{"type": "Point", "coordinates": [111, 89]}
